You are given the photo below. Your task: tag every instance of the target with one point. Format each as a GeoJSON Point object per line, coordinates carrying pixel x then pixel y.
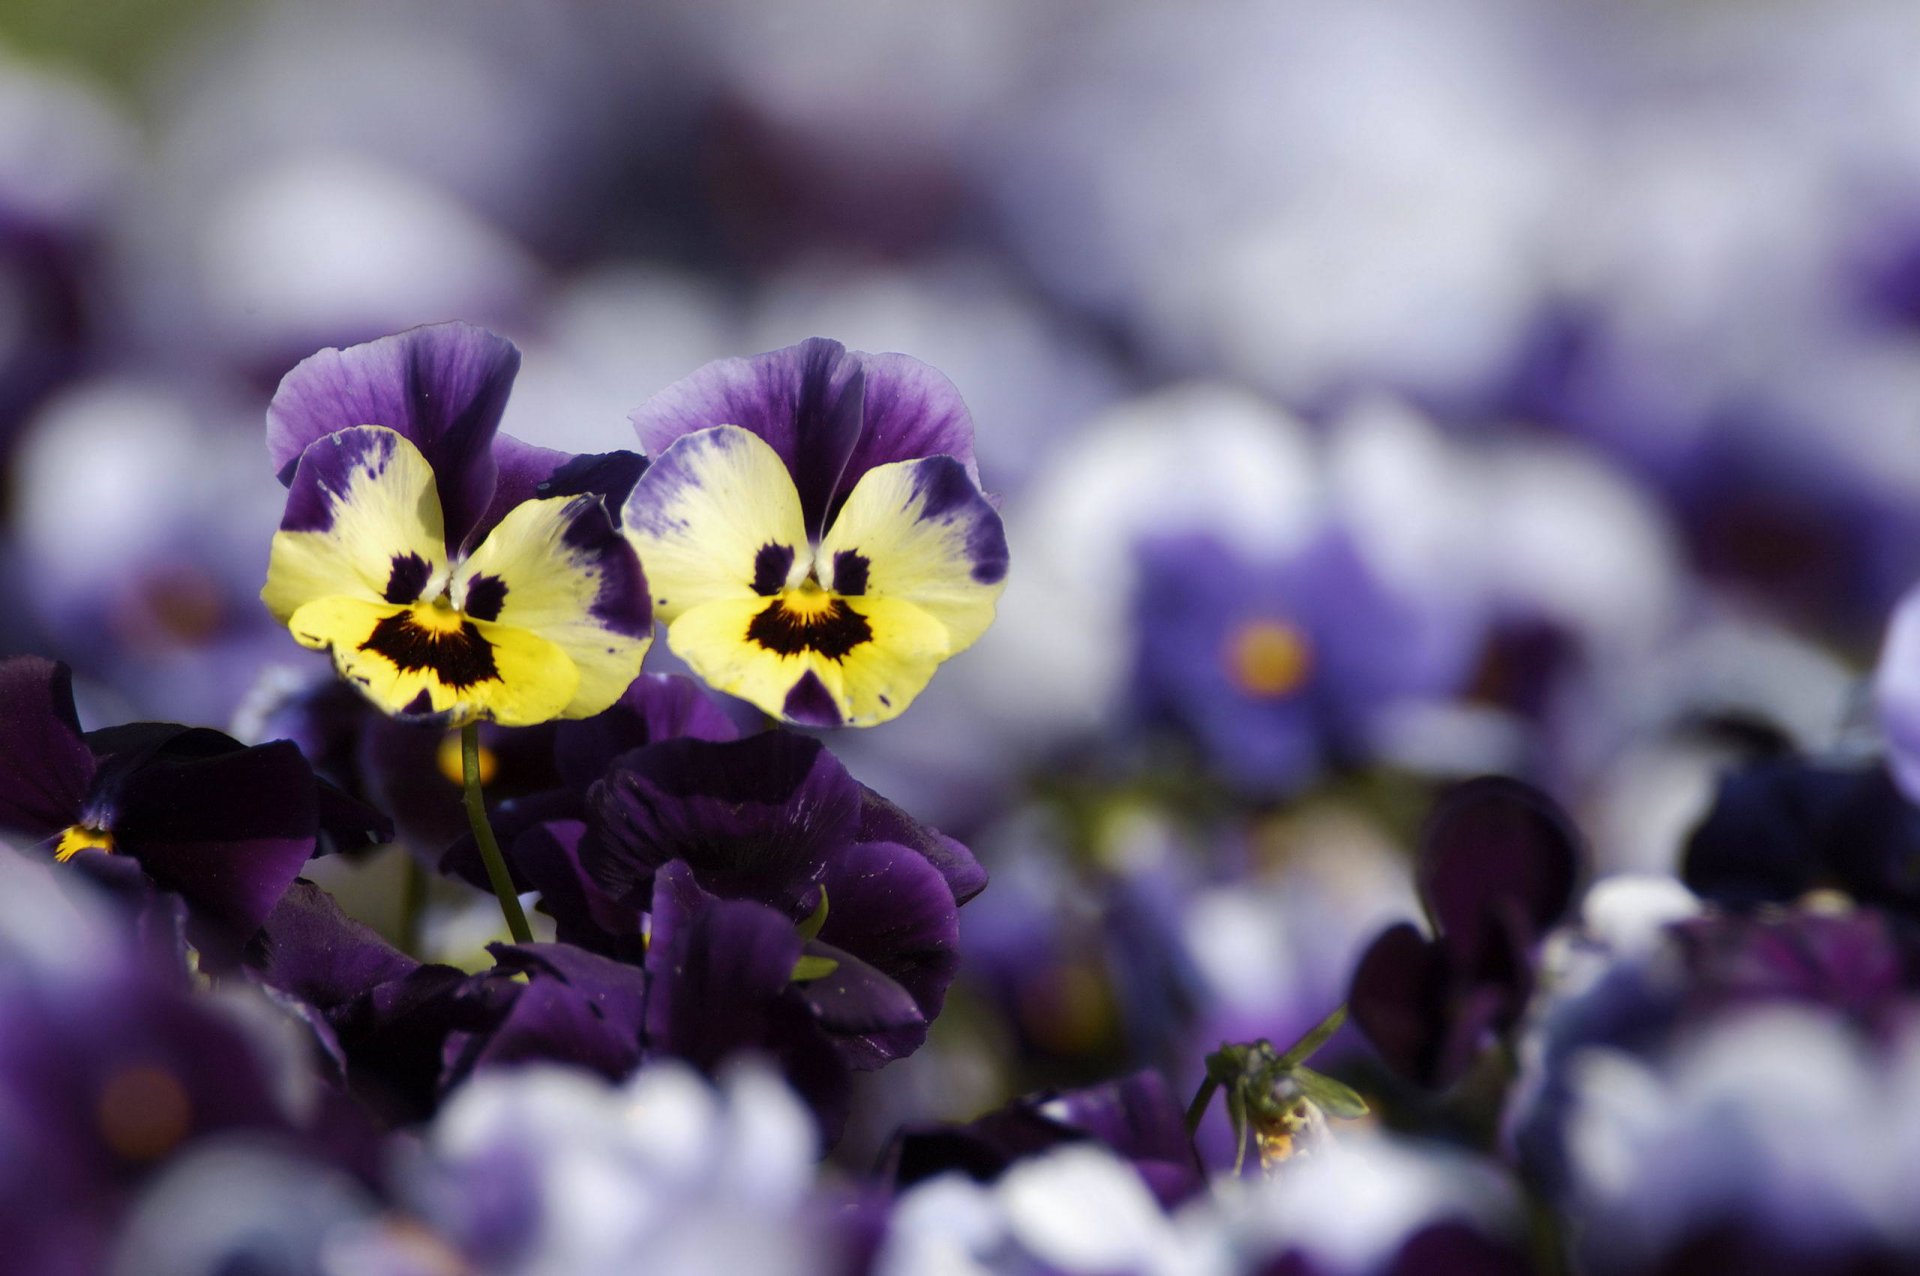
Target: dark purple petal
{"type": "Point", "coordinates": [872, 1019]}
{"type": "Point", "coordinates": [717, 966]}
{"type": "Point", "coordinates": [45, 766]}
{"type": "Point", "coordinates": [1427, 1024]}
{"type": "Point", "coordinates": [887, 905]}
{"type": "Point", "coordinates": [912, 411]}
{"type": "Point", "coordinates": [314, 951]}
{"type": "Point", "coordinates": [981, 1149]}
{"type": "Point", "coordinates": [229, 833]}
{"type": "Point", "coordinates": [575, 1008]}
{"type": "Point", "coordinates": [408, 774]}
{"type": "Point", "coordinates": [754, 818]}
{"type": "Point", "coordinates": [805, 401]}
{"type": "Point", "coordinates": [656, 707]}
{"type": "Point", "coordinates": [1456, 1249]}
{"type": "Point", "coordinates": [531, 473]}
{"type": "Point", "coordinates": [548, 857]}
{"type": "Point", "coordinates": [395, 1035]}
{"type": "Point", "coordinates": [1496, 853]}
{"type": "Point", "coordinates": [882, 821]}
{"type": "Point", "coordinates": [1140, 1118]}
{"type": "Point", "coordinates": [443, 386]}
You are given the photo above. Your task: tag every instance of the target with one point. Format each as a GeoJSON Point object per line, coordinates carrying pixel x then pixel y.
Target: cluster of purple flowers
{"type": "Point", "coordinates": [1444, 808]}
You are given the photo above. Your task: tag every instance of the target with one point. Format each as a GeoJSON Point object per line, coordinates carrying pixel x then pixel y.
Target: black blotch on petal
{"type": "Point", "coordinates": [850, 572]}
{"type": "Point", "coordinates": [457, 657]}
{"type": "Point", "coordinates": [485, 597]}
{"type": "Point", "coordinates": [833, 632]}
{"type": "Point", "coordinates": [770, 567]}
{"type": "Point", "coordinates": [407, 578]}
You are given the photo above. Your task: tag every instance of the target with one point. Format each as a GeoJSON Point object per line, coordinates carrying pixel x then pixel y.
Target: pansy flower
{"type": "Point", "coordinates": [449, 571]}
{"type": "Point", "coordinates": [225, 826]}
{"type": "Point", "coordinates": [814, 530]}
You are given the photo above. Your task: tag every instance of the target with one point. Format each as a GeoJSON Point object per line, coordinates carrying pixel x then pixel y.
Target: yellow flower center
{"type": "Point", "coordinates": [77, 838]}
{"type": "Point", "coordinates": [1268, 659]}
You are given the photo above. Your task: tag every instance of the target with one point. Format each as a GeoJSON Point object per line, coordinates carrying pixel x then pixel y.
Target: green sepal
{"type": "Point", "coordinates": [808, 968]}
{"type": "Point", "coordinates": [810, 928]}
{"type": "Point", "coordinates": [1334, 1098]}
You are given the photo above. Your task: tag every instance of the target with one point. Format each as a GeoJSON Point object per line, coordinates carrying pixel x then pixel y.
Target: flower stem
{"type": "Point", "coordinates": [1198, 1108]}
{"type": "Point", "coordinates": [483, 835]}
{"type": "Point", "coordinates": [412, 904]}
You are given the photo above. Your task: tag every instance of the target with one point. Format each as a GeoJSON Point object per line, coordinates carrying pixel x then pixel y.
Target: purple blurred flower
{"type": "Point", "coordinates": [1498, 863]}
{"type": "Point", "coordinates": [1278, 669]}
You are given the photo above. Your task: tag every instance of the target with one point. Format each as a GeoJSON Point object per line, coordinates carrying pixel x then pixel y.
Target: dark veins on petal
{"type": "Point", "coordinates": [458, 658]}
{"type": "Point", "coordinates": [770, 568]}
{"type": "Point", "coordinates": [485, 597]}
{"type": "Point", "coordinates": [833, 633]}
{"type": "Point", "coordinates": [407, 579]}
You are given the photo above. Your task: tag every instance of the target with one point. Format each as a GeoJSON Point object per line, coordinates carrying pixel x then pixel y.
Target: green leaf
{"type": "Point", "coordinates": [810, 928]}
{"type": "Point", "coordinates": [1334, 1098]}
{"type": "Point", "coordinates": [813, 968]}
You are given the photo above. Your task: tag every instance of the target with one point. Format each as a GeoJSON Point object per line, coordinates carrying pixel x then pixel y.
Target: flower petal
{"type": "Point", "coordinates": [828, 684]}
{"type": "Point", "coordinates": [407, 666]}
{"type": "Point", "coordinates": [528, 472]}
{"type": "Point", "coordinates": [45, 767]}
{"type": "Point", "coordinates": [362, 521]}
{"type": "Point", "coordinates": [804, 401]}
{"type": "Point", "coordinates": [920, 532]}
{"type": "Point", "coordinates": [442, 386]}
{"type": "Point", "coordinates": [912, 411]}
{"type": "Point", "coordinates": [559, 569]}
{"type": "Point", "coordinates": [717, 516]}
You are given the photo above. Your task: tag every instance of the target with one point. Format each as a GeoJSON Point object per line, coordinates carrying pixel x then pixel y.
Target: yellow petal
{"type": "Point", "coordinates": [558, 568]}
{"type": "Point", "coordinates": [715, 515]}
{"type": "Point", "coordinates": [920, 532]}
{"type": "Point", "coordinates": [865, 667]}
{"type": "Point", "coordinates": [430, 660]}
{"type": "Point", "coordinates": [363, 521]}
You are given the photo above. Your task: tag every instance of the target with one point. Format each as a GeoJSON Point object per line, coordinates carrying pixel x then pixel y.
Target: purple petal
{"type": "Point", "coordinates": [1496, 853]}
{"type": "Point", "coordinates": [656, 707]}
{"type": "Point", "coordinates": [872, 1019]}
{"type": "Point", "coordinates": [45, 766]}
{"type": "Point", "coordinates": [313, 950]}
{"type": "Point", "coordinates": [888, 906]}
{"type": "Point", "coordinates": [442, 386]}
{"type": "Point", "coordinates": [229, 833]}
{"type": "Point", "coordinates": [530, 473]}
{"type": "Point", "coordinates": [882, 821]}
{"type": "Point", "coordinates": [754, 818]}
{"type": "Point", "coordinates": [805, 401]}
{"type": "Point", "coordinates": [575, 1008]}
{"type": "Point", "coordinates": [1140, 1118]}
{"type": "Point", "coordinates": [912, 411]}
{"type": "Point", "coordinates": [717, 967]}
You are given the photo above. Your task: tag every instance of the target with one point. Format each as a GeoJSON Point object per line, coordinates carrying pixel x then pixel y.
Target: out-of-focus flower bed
{"type": "Point", "coordinates": [1238, 637]}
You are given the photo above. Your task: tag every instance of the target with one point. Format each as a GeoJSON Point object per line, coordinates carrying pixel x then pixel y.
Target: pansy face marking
{"type": "Point", "coordinates": [843, 629]}
{"type": "Point", "coordinates": [546, 618]}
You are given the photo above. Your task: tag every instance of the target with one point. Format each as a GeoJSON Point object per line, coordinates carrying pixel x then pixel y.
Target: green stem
{"type": "Point", "coordinates": [483, 834]}
{"type": "Point", "coordinates": [1198, 1108]}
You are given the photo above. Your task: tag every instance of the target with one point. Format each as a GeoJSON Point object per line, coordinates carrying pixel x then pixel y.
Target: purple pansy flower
{"type": "Point", "coordinates": [1498, 862]}
{"type": "Point", "coordinates": [775, 820]}
{"type": "Point", "coordinates": [1276, 668]}
{"type": "Point", "coordinates": [451, 571]}
{"type": "Point", "coordinates": [226, 826]}
{"type": "Point", "coordinates": [814, 530]}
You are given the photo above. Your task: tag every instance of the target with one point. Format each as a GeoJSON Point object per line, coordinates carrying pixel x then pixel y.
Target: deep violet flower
{"type": "Point", "coordinates": [451, 571]}
{"type": "Point", "coordinates": [225, 826]}
{"type": "Point", "coordinates": [1497, 867]}
{"type": "Point", "coordinates": [814, 530]}
{"type": "Point", "coordinates": [775, 820]}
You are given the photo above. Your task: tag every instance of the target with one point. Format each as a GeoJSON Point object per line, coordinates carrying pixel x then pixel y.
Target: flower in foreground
{"type": "Point", "coordinates": [225, 826]}
{"type": "Point", "coordinates": [814, 529]}
{"type": "Point", "coordinates": [449, 571]}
